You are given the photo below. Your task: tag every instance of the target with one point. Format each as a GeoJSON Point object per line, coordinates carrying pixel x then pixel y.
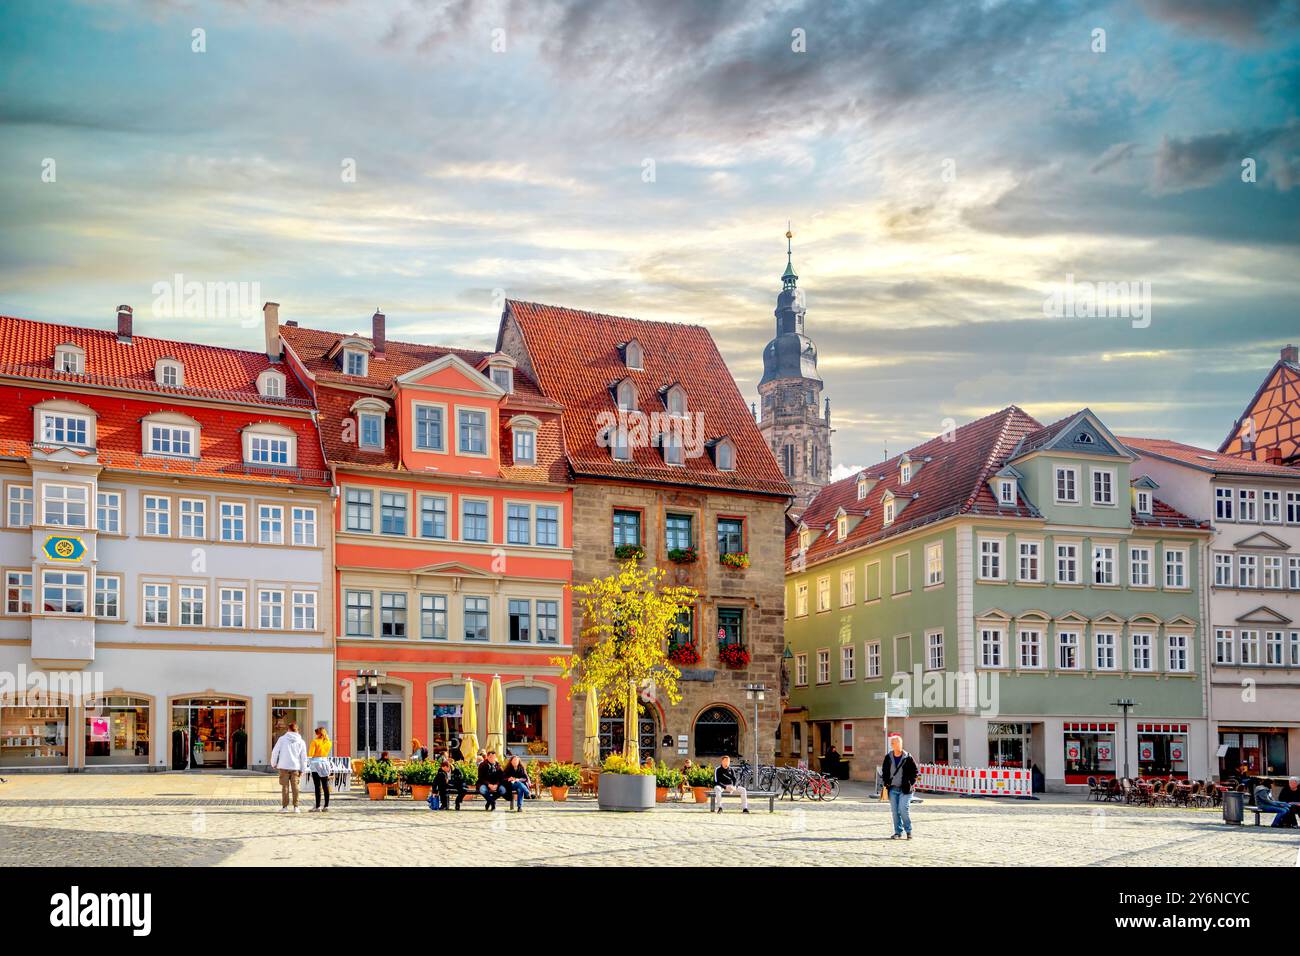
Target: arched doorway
{"type": "Point", "coordinates": [611, 734]}
{"type": "Point", "coordinates": [717, 732]}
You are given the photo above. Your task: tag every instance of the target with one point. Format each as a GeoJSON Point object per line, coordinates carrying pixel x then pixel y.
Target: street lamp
{"type": "Point", "coordinates": [1125, 703]}
{"type": "Point", "coordinates": [369, 681]}
{"type": "Point", "coordinates": [755, 692]}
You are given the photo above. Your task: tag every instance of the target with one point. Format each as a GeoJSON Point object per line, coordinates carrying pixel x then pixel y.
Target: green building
{"type": "Point", "coordinates": [1010, 582]}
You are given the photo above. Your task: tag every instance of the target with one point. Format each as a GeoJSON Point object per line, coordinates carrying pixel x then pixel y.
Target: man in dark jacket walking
{"type": "Point", "coordinates": [898, 776]}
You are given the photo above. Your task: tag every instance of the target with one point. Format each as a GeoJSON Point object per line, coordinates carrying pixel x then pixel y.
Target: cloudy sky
{"type": "Point", "coordinates": [946, 167]}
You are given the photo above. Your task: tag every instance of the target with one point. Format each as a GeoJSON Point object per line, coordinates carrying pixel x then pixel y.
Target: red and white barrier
{"type": "Point", "coordinates": [974, 781]}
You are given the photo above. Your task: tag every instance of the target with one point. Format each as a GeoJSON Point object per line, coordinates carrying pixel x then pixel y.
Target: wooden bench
{"type": "Point", "coordinates": [769, 795]}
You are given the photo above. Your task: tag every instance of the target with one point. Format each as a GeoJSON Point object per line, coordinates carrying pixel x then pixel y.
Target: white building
{"type": "Point", "coordinates": [166, 547]}
{"type": "Point", "coordinates": [1253, 582]}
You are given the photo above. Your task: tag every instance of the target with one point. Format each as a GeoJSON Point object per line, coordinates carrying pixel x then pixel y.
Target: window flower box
{"type": "Point", "coordinates": [733, 656]}
{"type": "Point", "coordinates": [683, 555]}
{"type": "Point", "coordinates": [629, 552]}
{"type": "Point", "coordinates": [735, 559]}
{"type": "Point", "coordinates": [683, 654]}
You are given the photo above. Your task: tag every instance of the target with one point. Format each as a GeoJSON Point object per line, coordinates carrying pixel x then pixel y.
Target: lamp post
{"type": "Point", "coordinates": [755, 692]}
{"type": "Point", "coordinates": [786, 657]}
{"type": "Point", "coordinates": [369, 681]}
{"type": "Point", "coordinates": [1125, 703]}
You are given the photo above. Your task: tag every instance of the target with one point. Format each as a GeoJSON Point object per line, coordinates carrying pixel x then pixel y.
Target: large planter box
{"type": "Point", "coordinates": [627, 792]}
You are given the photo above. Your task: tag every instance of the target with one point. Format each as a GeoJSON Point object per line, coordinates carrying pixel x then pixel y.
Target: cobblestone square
{"type": "Point", "coordinates": [232, 820]}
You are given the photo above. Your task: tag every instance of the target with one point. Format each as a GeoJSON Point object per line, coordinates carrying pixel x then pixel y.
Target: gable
{"type": "Point", "coordinates": [1263, 615]}
{"type": "Point", "coordinates": [450, 373]}
{"type": "Point", "coordinates": [1264, 541]}
{"type": "Point", "coordinates": [1083, 436]}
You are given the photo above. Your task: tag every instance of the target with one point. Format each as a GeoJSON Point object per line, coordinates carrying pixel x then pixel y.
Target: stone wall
{"type": "Point", "coordinates": [759, 590]}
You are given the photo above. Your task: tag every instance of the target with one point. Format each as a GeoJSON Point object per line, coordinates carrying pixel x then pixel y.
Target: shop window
{"type": "Point", "coordinates": [33, 736]}
{"type": "Point", "coordinates": [1162, 750]}
{"type": "Point", "coordinates": [527, 714]}
{"type": "Point", "coordinates": [117, 732]}
{"type": "Point", "coordinates": [1089, 750]}
{"type": "Point", "coordinates": [286, 709]}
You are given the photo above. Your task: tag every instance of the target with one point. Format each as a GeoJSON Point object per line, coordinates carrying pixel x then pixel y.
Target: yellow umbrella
{"type": "Point", "coordinates": [591, 741]}
{"type": "Point", "coordinates": [468, 725]}
{"type": "Point", "coordinates": [496, 718]}
{"type": "Point", "coordinates": [631, 726]}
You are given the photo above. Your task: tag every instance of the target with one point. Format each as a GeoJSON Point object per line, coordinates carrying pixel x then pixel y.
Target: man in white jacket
{"type": "Point", "coordinates": [289, 757]}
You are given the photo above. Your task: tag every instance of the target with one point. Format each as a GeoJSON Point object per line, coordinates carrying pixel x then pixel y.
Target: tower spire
{"type": "Point", "coordinates": [789, 279]}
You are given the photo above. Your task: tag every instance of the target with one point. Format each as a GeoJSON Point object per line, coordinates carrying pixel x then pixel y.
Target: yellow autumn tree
{"type": "Point", "coordinates": [628, 619]}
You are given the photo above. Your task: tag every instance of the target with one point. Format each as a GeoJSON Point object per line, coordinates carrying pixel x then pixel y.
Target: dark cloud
{"type": "Point", "coordinates": [1236, 21]}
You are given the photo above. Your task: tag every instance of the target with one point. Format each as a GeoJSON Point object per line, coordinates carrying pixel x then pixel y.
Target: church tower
{"type": "Point", "coordinates": [794, 418]}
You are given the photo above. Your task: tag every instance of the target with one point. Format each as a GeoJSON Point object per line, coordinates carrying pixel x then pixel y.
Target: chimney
{"type": "Point", "coordinates": [1290, 354]}
{"type": "Point", "coordinates": [377, 333]}
{"type": "Point", "coordinates": [271, 326]}
{"type": "Point", "coordinates": [124, 324]}
{"type": "Point", "coordinates": [1273, 455]}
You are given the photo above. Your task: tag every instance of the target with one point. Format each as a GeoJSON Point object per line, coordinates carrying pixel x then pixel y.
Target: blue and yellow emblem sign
{"type": "Point", "coordinates": [62, 547]}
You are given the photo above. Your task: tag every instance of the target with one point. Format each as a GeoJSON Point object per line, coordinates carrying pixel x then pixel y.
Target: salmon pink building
{"type": "Point", "coordinates": [453, 550]}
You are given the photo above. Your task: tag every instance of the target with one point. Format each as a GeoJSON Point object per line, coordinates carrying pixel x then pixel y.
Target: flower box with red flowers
{"type": "Point", "coordinates": [683, 555]}
{"type": "Point", "coordinates": [734, 656]}
{"type": "Point", "coordinates": [683, 654]}
{"type": "Point", "coordinates": [735, 559]}
{"type": "Point", "coordinates": [629, 552]}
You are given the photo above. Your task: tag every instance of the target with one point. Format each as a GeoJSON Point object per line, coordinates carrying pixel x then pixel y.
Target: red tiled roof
{"type": "Point", "coordinates": [954, 481]}
{"type": "Point", "coordinates": [312, 345]}
{"type": "Point", "coordinates": [335, 404]}
{"type": "Point", "coordinates": [224, 374]}
{"type": "Point", "coordinates": [575, 356]}
{"type": "Point", "coordinates": [1206, 460]}
{"type": "Point", "coordinates": [119, 436]}
{"type": "Point", "coordinates": [1165, 516]}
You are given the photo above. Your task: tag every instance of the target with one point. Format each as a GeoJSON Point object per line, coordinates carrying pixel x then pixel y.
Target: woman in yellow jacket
{"type": "Point", "coordinates": [318, 753]}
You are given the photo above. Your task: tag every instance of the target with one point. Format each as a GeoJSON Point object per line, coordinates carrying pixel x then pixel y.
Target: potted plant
{"type": "Point", "coordinates": [629, 552]}
{"type": "Point", "coordinates": [683, 654]}
{"type": "Point", "coordinates": [735, 559]}
{"type": "Point", "coordinates": [666, 778]}
{"type": "Point", "coordinates": [419, 776]}
{"type": "Point", "coordinates": [378, 777]}
{"type": "Point", "coordinates": [625, 785]}
{"type": "Point", "coordinates": [469, 772]}
{"type": "Point", "coordinates": [734, 656]}
{"type": "Point", "coordinates": [700, 780]}
{"type": "Point", "coordinates": [560, 777]}
{"type": "Point", "coordinates": [629, 618]}
{"type": "Point", "coordinates": [686, 555]}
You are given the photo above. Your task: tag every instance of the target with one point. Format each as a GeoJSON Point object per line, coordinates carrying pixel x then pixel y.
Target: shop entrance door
{"type": "Point", "coordinates": [209, 733]}
{"type": "Point", "coordinates": [1009, 745]}
{"type": "Point", "coordinates": [379, 723]}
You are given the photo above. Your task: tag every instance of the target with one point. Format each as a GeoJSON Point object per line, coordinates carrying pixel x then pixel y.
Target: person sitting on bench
{"type": "Point", "coordinates": [724, 781]}
{"type": "Point", "coordinates": [1286, 812]}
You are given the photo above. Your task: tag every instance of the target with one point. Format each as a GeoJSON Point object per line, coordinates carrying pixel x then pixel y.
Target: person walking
{"type": "Point", "coordinates": [724, 781]}
{"type": "Point", "coordinates": [289, 757]}
{"type": "Point", "coordinates": [516, 780]}
{"type": "Point", "coordinates": [318, 760]}
{"type": "Point", "coordinates": [898, 775]}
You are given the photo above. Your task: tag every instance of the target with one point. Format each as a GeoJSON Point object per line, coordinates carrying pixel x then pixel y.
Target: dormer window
{"type": "Point", "coordinates": [805, 538]}
{"type": "Point", "coordinates": [891, 509]}
{"type": "Point", "coordinates": [270, 445]}
{"type": "Point", "coordinates": [169, 372]}
{"type": "Point", "coordinates": [1143, 502]}
{"type": "Point", "coordinates": [842, 526]}
{"type": "Point", "coordinates": [633, 357]}
{"type": "Point", "coordinates": [271, 384]}
{"type": "Point", "coordinates": [672, 448]}
{"type": "Point", "coordinates": [676, 401]}
{"type": "Point", "coordinates": [356, 362]}
{"type": "Point", "coordinates": [371, 414]}
{"type": "Point", "coordinates": [58, 427]}
{"type": "Point", "coordinates": [626, 396]}
{"type": "Point", "coordinates": [523, 428]}
{"type": "Point", "coordinates": [501, 371]}
{"type": "Point", "coordinates": [863, 487]}
{"type": "Point", "coordinates": [618, 443]}
{"type": "Point", "coordinates": [724, 455]}
{"type": "Point", "coordinates": [1006, 491]}
{"type": "Point", "coordinates": [70, 359]}
{"type": "Point", "coordinates": [171, 435]}
{"type": "Point", "coordinates": [905, 472]}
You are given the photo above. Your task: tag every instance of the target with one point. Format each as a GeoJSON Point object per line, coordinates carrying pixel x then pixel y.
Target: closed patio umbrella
{"type": "Point", "coordinates": [631, 726]}
{"type": "Point", "coordinates": [469, 725]}
{"type": "Point", "coordinates": [591, 737]}
{"type": "Point", "coordinates": [496, 718]}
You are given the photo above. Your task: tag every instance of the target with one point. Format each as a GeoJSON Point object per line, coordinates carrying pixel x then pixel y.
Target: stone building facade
{"type": "Point", "coordinates": [795, 420]}
{"type": "Point", "coordinates": [719, 491]}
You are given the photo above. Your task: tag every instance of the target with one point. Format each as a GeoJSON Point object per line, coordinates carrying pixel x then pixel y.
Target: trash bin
{"type": "Point", "coordinates": [1234, 806]}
